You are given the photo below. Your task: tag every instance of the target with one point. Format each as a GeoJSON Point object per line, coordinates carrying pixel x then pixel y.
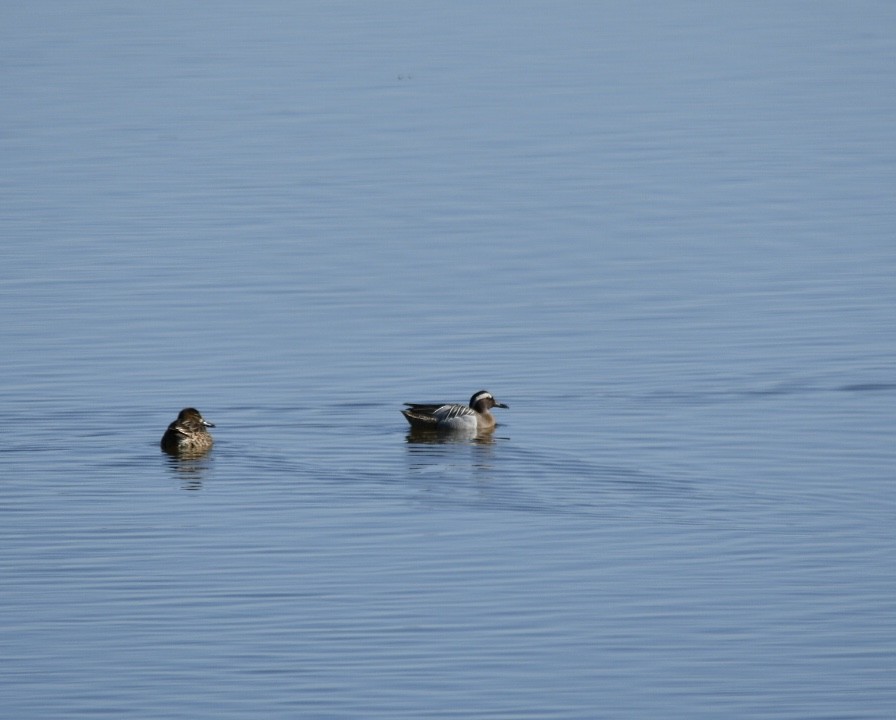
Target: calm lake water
{"type": "Point", "coordinates": [663, 233]}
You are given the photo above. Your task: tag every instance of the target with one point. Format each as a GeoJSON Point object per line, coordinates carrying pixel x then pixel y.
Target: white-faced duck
{"type": "Point", "coordinates": [454, 417]}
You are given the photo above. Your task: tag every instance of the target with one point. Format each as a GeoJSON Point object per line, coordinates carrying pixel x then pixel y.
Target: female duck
{"type": "Point", "coordinates": [188, 435]}
{"type": "Point", "coordinates": [454, 417]}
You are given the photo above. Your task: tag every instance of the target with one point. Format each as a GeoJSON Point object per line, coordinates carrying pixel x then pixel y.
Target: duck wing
{"type": "Point", "coordinates": [424, 408]}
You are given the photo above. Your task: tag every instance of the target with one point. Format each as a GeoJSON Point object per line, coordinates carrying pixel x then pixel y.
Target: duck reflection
{"type": "Point", "coordinates": [433, 437]}
{"type": "Point", "coordinates": [189, 470]}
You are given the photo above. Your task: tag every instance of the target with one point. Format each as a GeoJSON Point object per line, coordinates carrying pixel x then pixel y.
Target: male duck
{"type": "Point", "coordinates": [454, 417]}
{"type": "Point", "coordinates": [188, 435]}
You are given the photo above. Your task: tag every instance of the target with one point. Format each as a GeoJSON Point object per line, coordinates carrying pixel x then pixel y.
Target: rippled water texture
{"type": "Point", "coordinates": [662, 233]}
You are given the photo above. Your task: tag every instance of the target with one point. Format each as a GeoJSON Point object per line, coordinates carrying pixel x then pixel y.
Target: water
{"type": "Point", "coordinates": [662, 233]}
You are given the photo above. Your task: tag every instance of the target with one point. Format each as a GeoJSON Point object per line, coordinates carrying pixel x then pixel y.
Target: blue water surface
{"type": "Point", "coordinates": [662, 233]}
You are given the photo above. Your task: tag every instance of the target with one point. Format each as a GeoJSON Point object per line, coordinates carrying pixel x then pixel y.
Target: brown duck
{"type": "Point", "coordinates": [188, 435]}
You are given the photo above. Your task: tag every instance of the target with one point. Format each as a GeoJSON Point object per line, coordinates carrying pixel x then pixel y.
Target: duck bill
{"type": "Point", "coordinates": [501, 405]}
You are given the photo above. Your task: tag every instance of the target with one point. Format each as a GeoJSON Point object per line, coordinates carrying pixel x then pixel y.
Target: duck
{"type": "Point", "coordinates": [454, 417]}
{"type": "Point", "coordinates": [188, 435]}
